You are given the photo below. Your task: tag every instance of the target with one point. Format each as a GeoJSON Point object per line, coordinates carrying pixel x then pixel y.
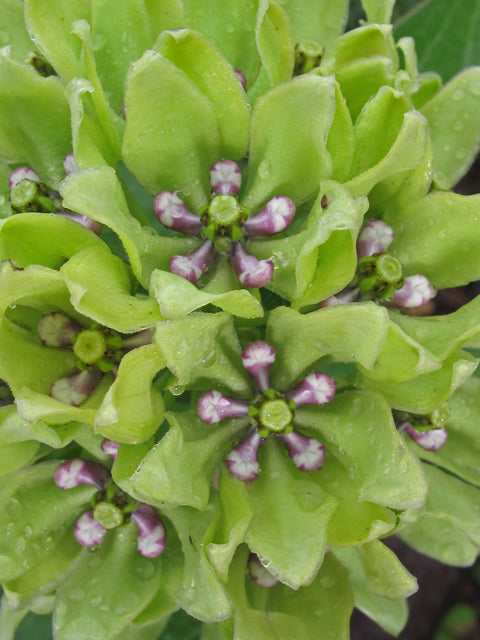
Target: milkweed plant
{"type": "Point", "coordinates": [217, 217]}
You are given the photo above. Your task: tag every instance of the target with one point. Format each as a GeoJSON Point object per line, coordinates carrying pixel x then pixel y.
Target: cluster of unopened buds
{"type": "Point", "coordinates": [29, 193]}
{"type": "Point", "coordinates": [111, 506]}
{"type": "Point", "coordinates": [98, 350]}
{"type": "Point", "coordinates": [224, 225]}
{"type": "Point", "coordinates": [270, 413]}
{"type": "Point", "coordinates": [380, 275]}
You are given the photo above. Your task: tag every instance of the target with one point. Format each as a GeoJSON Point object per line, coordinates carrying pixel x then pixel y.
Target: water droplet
{"type": "Point", "coordinates": [94, 561]}
{"type": "Point", "coordinates": [21, 545]}
{"type": "Point", "coordinates": [264, 169]}
{"type": "Point", "coordinates": [14, 507]}
{"type": "Point", "coordinates": [458, 95]}
{"type": "Point", "coordinates": [47, 543]}
{"type": "Point", "coordinates": [27, 532]}
{"type": "Point", "coordinates": [104, 608]}
{"type": "Point", "coordinates": [96, 601]}
{"type": "Point", "coordinates": [145, 570]}
{"type": "Point", "coordinates": [76, 595]}
{"type": "Point", "coordinates": [461, 153]}
{"type": "Point", "coordinates": [120, 610]}
{"type": "Point", "coordinates": [10, 528]}
{"type": "Point", "coordinates": [475, 88]}
{"type": "Point", "coordinates": [327, 582]}
{"type": "Point", "coordinates": [446, 148]}
{"type": "Point", "coordinates": [458, 126]}
{"type": "Point", "coordinates": [176, 389]}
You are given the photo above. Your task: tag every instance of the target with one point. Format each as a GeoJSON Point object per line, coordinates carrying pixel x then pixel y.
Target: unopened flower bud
{"type": "Point", "coordinates": [307, 453]}
{"type": "Point", "coordinates": [375, 237]}
{"type": "Point", "coordinates": [152, 535]}
{"type": "Point", "coordinates": [242, 461]}
{"type": "Point", "coordinates": [173, 214]}
{"type": "Point", "coordinates": [225, 177]}
{"type": "Point", "coordinates": [257, 359]}
{"type": "Point", "coordinates": [277, 215]}
{"type": "Point", "coordinates": [416, 291]}
{"type": "Point", "coordinates": [316, 388]}
{"type": "Point", "coordinates": [88, 532]}
{"type": "Point", "coordinates": [251, 272]}
{"type": "Point", "coordinates": [193, 266]}
{"type": "Point", "coordinates": [213, 406]}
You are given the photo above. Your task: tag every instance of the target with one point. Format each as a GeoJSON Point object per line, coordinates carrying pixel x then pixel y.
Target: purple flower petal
{"type": "Point", "coordinates": [173, 214]}
{"type": "Point", "coordinates": [22, 173]}
{"type": "Point", "coordinates": [85, 221]}
{"type": "Point", "coordinates": [341, 298]}
{"type": "Point", "coordinates": [260, 574]}
{"type": "Point", "coordinates": [213, 406]}
{"type": "Point", "coordinates": [257, 359]}
{"type": "Point", "coordinates": [375, 237]}
{"type": "Point", "coordinates": [431, 440]}
{"type": "Point", "coordinates": [193, 266]}
{"type": "Point", "coordinates": [75, 389]}
{"type": "Point", "coordinates": [88, 532]}
{"type": "Point", "coordinates": [250, 271]}
{"type": "Point", "coordinates": [110, 447]}
{"type": "Point", "coordinates": [242, 461]}
{"type": "Point", "coordinates": [225, 177]}
{"type": "Point", "coordinates": [316, 388]}
{"type": "Point", "coordinates": [241, 77]}
{"type": "Point", "coordinates": [277, 216]}
{"type": "Point", "coordinates": [152, 535]}
{"type": "Point", "coordinates": [416, 291]}
{"type": "Point", "coordinates": [57, 330]}
{"type": "Point", "coordinates": [69, 164]}
{"type": "Point", "coordinates": [307, 453]}
{"type": "Point", "coordinates": [72, 473]}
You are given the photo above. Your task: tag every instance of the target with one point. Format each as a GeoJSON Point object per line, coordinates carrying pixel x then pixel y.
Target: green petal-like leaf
{"type": "Point", "coordinates": [14, 32]}
{"type": "Point", "coordinates": [289, 131]}
{"type": "Point", "coordinates": [454, 128]}
{"type": "Point", "coordinates": [132, 409]}
{"type": "Point", "coordinates": [318, 21]}
{"type": "Point", "coordinates": [25, 100]}
{"type": "Point", "coordinates": [438, 236]}
{"type": "Point", "coordinates": [385, 575]}
{"type": "Point", "coordinates": [17, 455]}
{"type": "Point", "coordinates": [206, 68]}
{"type": "Point", "coordinates": [95, 601]}
{"type": "Point", "coordinates": [100, 289]}
{"type": "Point", "coordinates": [179, 469]}
{"type": "Point", "coordinates": [37, 515]}
{"type": "Point", "coordinates": [357, 427]}
{"type": "Point", "coordinates": [178, 297]}
{"type": "Point", "coordinates": [288, 530]}
{"type": "Point", "coordinates": [50, 25]}
{"type": "Point", "coordinates": [171, 138]}
{"type": "Point", "coordinates": [340, 143]}
{"type": "Point", "coordinates": [379, 11]}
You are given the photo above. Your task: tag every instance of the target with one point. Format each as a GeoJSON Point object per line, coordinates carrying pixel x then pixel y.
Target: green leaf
{"type": "Point", "coordinates": [50, 25]}
{"type": "Point", "coordinates": [438, 236]}
{"type": "Point", "coordinates": [14, 32]}
{"type": "Point", "coordinates": [288, 530]}
{"type": "Point", "coordinates": [379, 11]}
{"type": "Point", "coordinates": [132, 409]}
{"type": "Point", "coordinates": [454, 128]}
{"type": "Point", "coordinates": [340, 143]}
{"type": "Point", "coordinates": [209, 350]}
{"type": "Point", "coordinates": [289, 131]}
{"type": "Point", "coordinates": [37, 515]}
{"type": "Point", "coordinates": [100, 288]}
{"type": "Point", "coordinates": [95, 602]}
{"type": "Point", "coordinates": [171, 138]}
{"type": "Point", "coordinates": [358, 429]}
{"type": "Point", "coordinates": [25, 100]}
{"type": "Point", "coordinates": [385, 575]}
{"type": "Point", "coordinates": [319, 21]}
{"type": "Point", "coordinates": [179, 469]}
{"type": "Point", "coordinates": [178, 297]}
{"type": "Point", "coordinates": [446, 34]}
{"type": "Point", "coordinates": [206, 68]}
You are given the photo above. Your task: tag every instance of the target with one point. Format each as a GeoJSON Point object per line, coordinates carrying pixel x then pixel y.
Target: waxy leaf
{"type": "Point", "coordinates": [385, 575]}
{"type": "Point", "coordinates": [318, 21]}
{"type": "Point", "coordinates": [14, 32]}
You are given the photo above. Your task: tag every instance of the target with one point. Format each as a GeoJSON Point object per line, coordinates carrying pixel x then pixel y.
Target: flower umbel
{"type": "Point", "coordinates": [270, 413]}
{"type": "Point", "coordinates": [224, 225]}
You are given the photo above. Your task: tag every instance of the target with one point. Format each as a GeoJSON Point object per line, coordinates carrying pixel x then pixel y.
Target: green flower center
{"type": "Point", "coordinates": [89, 346]}
{"type": "Point", "coordinates": [224, 210]}
{"type": "Point", "coordinates": [108, 515]}
{"type": "Point", "coordinates": [389, 268]}
{"type": "Point", "coordinates": [275, 415]}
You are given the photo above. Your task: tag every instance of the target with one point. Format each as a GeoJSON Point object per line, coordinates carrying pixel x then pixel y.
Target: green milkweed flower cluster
{"type": "Point", "coordinates": [214, 218]}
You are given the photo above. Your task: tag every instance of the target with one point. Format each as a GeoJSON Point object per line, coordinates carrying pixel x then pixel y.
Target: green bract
{"type": "Point", "coordinates": [239, 448]}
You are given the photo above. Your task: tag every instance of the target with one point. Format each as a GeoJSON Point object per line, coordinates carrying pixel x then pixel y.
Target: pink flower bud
{"type": "Point", "coordinates": [193, 266]}
{"type": "Point", "coordinates": [22, 173]}
{"type": "Point", "coordinates": [72, 473]}
{"type": "Point", "coordinates": [138, 339]}
{"type": "Point", "coordinates": [416, 291]}
{"type": "Point", "coordinates": [257, 359]}
{"type": "Point", "coordinates": [241, 77]}
{"type": "Point", "coordinates": [69, 164]}
{"type": "Point", "coordinates": [173, 214]}
{"type": "Point", "coordinates": [225, 177]}
{"type": "Point", "coordinates": [57, 330]}
{"type": "Point", "coordinates": [213, 406]}
{"type": "Point", "coordinates": [375, 237]}
{"type": "Point", "coordinates": [90, 224]}
{"type": "Point", "coordinates": [152, 535]}
{"type": "Point", "coordinates": [341, 298]}
{"type": "Point", "coordinates": [431, 440]}
{"type": "Point", "coordinates": [242, 461]}
{"type": "Point", "coordinates": [250, 271]}
{"type": "Point", "coordinates": [110, 447]}
{"type": "Point", "coordinates": [75, 389]}
{"type": "Point", "coordinates": [88, 532]}
{"type": "Point", "coordinates": [316, 388]}
{"type": "Point", "coordinates": [307, 453]}
{"type": "Point", "coordinates": [260, 574]}
{"type": "Point", "coordinates": [277, 216]}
